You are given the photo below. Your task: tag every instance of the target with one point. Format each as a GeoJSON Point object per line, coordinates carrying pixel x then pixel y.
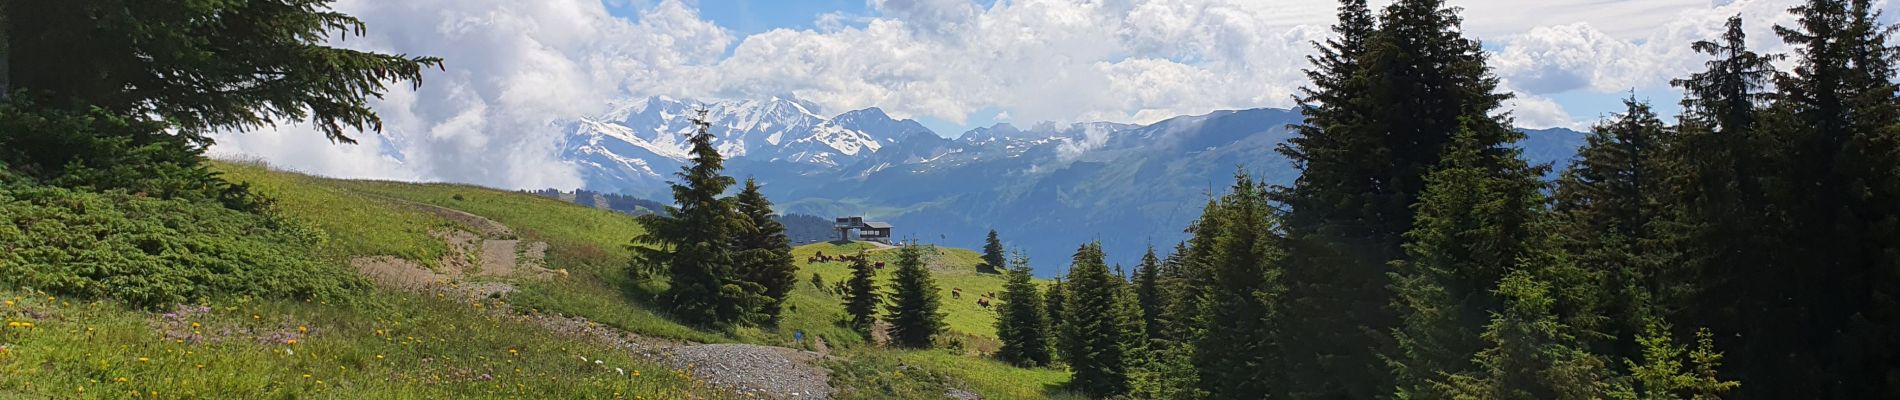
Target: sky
{"type": "Point", "coordinates": [516, 69]}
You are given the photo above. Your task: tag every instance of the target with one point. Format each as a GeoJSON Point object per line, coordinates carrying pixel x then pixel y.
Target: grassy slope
{"type": "Point", "coordinates": [591, 244]}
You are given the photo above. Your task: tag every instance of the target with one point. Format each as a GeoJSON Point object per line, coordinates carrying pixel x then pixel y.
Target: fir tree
{"type": "Point", "coordinates": [1093, 333]}
{"type": "Point", "coordinates": [1237, 355]}
{"type": "Point", "coordinates": [1474, 222]}
{"type": "Point", "coordinates": [1148, 294]}
{"type": "Point", "coordinates": [692, 242]}
{"type": "Point", "coordinates": [860, 298]}
{"type": "Point", "coordinates": [1054, 302]}
{"type": "Point", "coordinates": [764, 253]}
{"type": "Point", "coordinates": [913, 309]}
{"type": "Point", "coordinates": [1669, 371]}
{"type": "Point", "coordinates": [1022, 323]}
{"type": "Point", "coordinates": [993, 253]}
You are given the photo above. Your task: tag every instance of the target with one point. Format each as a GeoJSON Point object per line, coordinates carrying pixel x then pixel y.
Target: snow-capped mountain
{"type": "Point", "coordinates": [1044, 188]}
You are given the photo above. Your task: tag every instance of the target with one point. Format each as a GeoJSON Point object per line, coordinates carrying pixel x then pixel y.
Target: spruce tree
{"type": "Point", "coordinates": [1669, 371]}
{"type": "Point", "coordinates": [1475, 223]}
{"type": "Point", "coordinates": [1614, 204]}
{"type": "Point", "coordinates": [1148, 294]}
{"type": "Point", "coordinates": [1193, 276]}
{"type": "Point", "coordinates": [993, 253]}
{"type": "Point", "coordinates": [913, 309]}
{"type": "Point", "coordinates": [1021, 323]}
{"type": "Point", "coordinates": [692, 242]}
{"type": "Point", "coordinates": [1379, 116]}
{"type": "Point", "coordinates": [861, 298]}
{"type": "Point", "coordinates": [1530, 354]}
{"type": "Point", "coordinates": [1238, 355]}
{"type": "Point", "coordinates": [1054, 302]}
{"type": "Point", "coordinates": [1093, 333]}
{"type": "Point", "coordinates": [764, 253]}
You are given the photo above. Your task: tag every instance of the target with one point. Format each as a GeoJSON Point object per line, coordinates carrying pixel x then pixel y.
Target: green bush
{"type": "Point", "coordinates": [97, 150]}
{"type": "Point", "coordinates": [152, 252]}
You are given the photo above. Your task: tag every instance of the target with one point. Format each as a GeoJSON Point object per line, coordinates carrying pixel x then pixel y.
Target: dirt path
{"type": "Point", "coordinates": [497, 257]}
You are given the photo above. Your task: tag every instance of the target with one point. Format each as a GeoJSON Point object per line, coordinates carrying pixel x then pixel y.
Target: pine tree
{"type": "Point", "coordinates": [1148, 294]}
{"type": "Point", "coordinates": [692, 242]}
{"type": "Point", "coordinates": [1193, 277]}
{"type": "Point", "coordinates": [861, 298]}
{"type": "Point", "coordinates": [1093, 333]}
{"type": "Point", "coordinates": [1614, 204]}
{"type": "Point", "coordinates": [764, 253]}
{"type": "Point", "coordinates": [1665, 374]}
{"type": "Point", "coordinates": [1474, 225]}
{"type": "Point", "coordinates": [1237, 355]}
{"type": "Point", "coordinates": [1021, 324]}
{"type": "Point", "coordinates": [992, 253]}
{"type": "Point", "coordinates": [913, 310]}
{"type": "Point", "coordinates": [1530, 355]}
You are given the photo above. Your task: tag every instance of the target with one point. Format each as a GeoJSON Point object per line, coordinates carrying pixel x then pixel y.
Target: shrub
{"type": "Point", "coordinates": [97, 150]}
{"type": "Point", "coordinates": [152, 252]}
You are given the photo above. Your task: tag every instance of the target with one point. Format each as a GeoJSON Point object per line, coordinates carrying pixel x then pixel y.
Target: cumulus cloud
{"type": "Point", "coordinates": [517, 69]}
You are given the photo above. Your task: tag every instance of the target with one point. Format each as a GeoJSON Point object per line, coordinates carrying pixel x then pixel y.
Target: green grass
{"type": "Point", "coordinates": [388, 346]}
{"type": "Point", "coordinates": [590, 243]}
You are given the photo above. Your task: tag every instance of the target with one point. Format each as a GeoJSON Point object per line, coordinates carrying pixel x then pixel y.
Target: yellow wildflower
{"type": "Point", "coordinates": [143, 359]}
{"type": "Point", "coordinates": [119, 379]}
{"type": "Point", "coordinates": [302, 329]}
{"type": "Point", "coordinates": [9, 303]}
{"type": "Point", "coordinates": [306, 376]}
{"type": "Point", "coordinates": [292, 342]}
{"type": "Point", "coordinates": [194, 324]}
{"type": "Point", "coordinates": [379, 356]}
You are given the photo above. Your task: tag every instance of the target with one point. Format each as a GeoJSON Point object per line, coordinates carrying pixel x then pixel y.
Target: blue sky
{"type": "Point", "coordinates": [519, 68]}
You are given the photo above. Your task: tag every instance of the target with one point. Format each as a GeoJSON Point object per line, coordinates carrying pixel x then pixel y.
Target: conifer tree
{"type": "Point", "coordinates": [861, 298]}
{"type": "Point", "coordinates": [993, 253]}
{"type": "Point", "coordinates": [1614, 204]}
{"type": "Point", "coordinates": [692, 242]}
{"type": "Point", "coordinates": [1474, 225]}
{"type": "Point", "coordinates": [1669, 371]}
{"type": "Point", "coordinates": [1148, 294]}
{"type": "Point", "coordinates": [1530, 354]}
{"type": "Point", "coordinates": [1093, 333]}
{"type": "Point", "coordinates": [1178, 320]}
{"type": "Point", "coordinates": [764, 253]}
{"type": "Point", "coordinates": [1055, 300]}
{"type": "Point", "coordinates": [913, 309]}
{"type": "Point", "coordinates": [1193, 275]}
{"type": "Point", "coordinates": [1021, 324]}
{"type": "Point", "coordinates": [1379, 116]}
{"type": "Point", "coordinates": [1237, 356]}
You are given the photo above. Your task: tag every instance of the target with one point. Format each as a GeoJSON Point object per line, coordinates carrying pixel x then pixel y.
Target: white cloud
{"type": "Point", "coordinates": [516, 68]}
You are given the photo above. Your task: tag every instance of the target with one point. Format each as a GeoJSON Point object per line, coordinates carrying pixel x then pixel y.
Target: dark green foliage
{"type": "Point", "coordinates": [1614, 207]}
{"type": "Point", "coordinates": [817, 281]}
{"type": "Point", "coordinates": [692, 243]}
{"type": "Point", "coordinates": [913, 306]}
{"type": "Point", "coordinates": [154, 252]}
{"type": "Point", "coordinates": [1531, 354]}
{"type": "Point", "coordinates": [203, 65]}
{"type": "Point", "coordinates": [1237, 352]}
{"type": "Point", "coordinates": [1148, 294]}
{"type": "Point", "coordinates": [992, 254]}
{"type": "Point", "coordinates": [1092, 334]}
{"type": "Point", "coordinates": [1475, 222]}
{"type": "Point", "coordinates": [1054, 302]}
{"type": "Point", "coordinates": [860, 296]}
{"type": "Point", "coordinates": [764, 253]}
{"type": "Point", "coordinates": [1021, 323]}
{"type": "Point", "coordinates": [97, 150]}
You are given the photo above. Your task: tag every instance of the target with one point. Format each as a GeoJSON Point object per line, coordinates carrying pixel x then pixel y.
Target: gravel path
{"type": "Point", "coordinates": [772, 372]}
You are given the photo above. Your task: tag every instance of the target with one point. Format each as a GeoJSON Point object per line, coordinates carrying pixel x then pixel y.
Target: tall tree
{"type": "Point", "coordinates": [1399, 92]}
{"type": "Point", "coordinates": [692, 242]}
{"type": "Point", "coordinates": [861, 298]}
{"type": "Point", "coordinates": [764, 253]}
{"type": "Point", "coordinates": [1148, 294]}
{"type": "Point", "coordinates": [1021, 324]}
{"type": "Point", "coordinates": [1093, 333]}
{"type": "Point", "coordinates": [1054, 302]}
{"type": "Point", "coordinates": [1475, 223]}
{"type": "Point", "coordinates": [1531, 355]}
{"type": "Point", "coordinates": [1668, 371]}
{"type": "Point", "coordinates": [993, 252]}
{"type": "Point", "coordinates": [1238, 354]}
{"type": "Point", "coordinates": [1615, 204]}
{"type": "Point", "coordinates": [202, 66]}
{"type": "Point", "coordinates": [913, 309]}
{"type": "Point", "coordinates": [1828, 325]}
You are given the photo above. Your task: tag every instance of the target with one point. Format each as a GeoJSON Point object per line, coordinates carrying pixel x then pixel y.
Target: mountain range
{"type": "Point", "coordinates": [1046, 189]}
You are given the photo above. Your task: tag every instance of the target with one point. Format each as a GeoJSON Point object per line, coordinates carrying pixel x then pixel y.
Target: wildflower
{"type": "Point", "coordinates": [302, 329]}
{"type": "Point", "coordinates": [636, 373]}
{"type": "Point", "coordinates": [119, 379]}
{"type": "Point", "coordinates": [9, 303]}
{"type": "Point", "coordinates": [306, 376]}
{"type": "Point", "coordinates": [194, 325]}
{"type": "Point", "coordinates": [292, 342]}
{"type": "Point", "coordinates": [379, 356]}
{"type": "Point", "coordinates": [143, 359]}
{"type": "Point", "coordinates": [597, 362]}
{"type": "Point", "coordinates": [201, 366]}
{"type": "Point", "coordinates": [620, 371]}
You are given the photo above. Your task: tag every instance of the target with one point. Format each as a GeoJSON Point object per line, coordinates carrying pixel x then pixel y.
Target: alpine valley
{"type": "Point", "coordinates": [1046, 188]}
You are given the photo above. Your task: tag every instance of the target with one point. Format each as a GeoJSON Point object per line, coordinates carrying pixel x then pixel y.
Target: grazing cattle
{"type": "Point", "coordinates": [956, 293]}
{"type": "Point", "coordinates": [985, 303]}
{"type": "Point", "coordinates": [880, 265]}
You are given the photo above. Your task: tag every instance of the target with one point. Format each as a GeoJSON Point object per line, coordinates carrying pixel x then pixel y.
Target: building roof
{"type": "Point", "coordinates": [877, 225]}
